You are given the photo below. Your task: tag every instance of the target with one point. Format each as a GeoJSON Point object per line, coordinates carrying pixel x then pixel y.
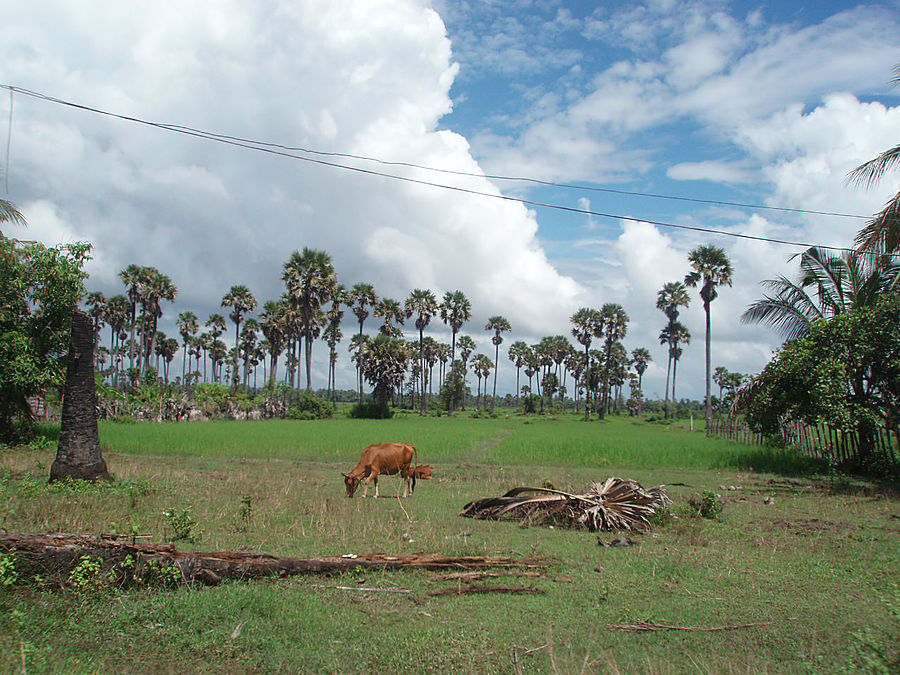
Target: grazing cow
{"type": "Point", "coordinates": [382, 458]}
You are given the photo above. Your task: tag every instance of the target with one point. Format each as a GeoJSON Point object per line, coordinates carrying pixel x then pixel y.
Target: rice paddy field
{"type": "Point", "coordinates": [798, 573]}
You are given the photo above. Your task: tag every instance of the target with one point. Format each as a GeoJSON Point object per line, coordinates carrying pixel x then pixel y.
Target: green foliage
{"type": "Point", "coordinates": [182, 523]}
{"type": "Point", "coordinates": [370, 411]}
{"type": "Point", "coordinates": [845, 373]}
{"type": "Point", "coordinates": [88, 576]}
{"type": "Point", "coordinates": [39, 288]}
{"type": "Point", "coordinates": [706, 505]}
{"type": "Point", "coordinates": [310, 407]}
{"type": "Point", "coordinates": [8, 574]}
{"type": "Point", "coordinates": [531, 404]}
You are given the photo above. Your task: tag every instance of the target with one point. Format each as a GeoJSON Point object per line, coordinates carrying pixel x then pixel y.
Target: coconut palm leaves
{"type": "Point", "coordinates": [828, 285]}
{"type": "Point", "coordinates": [882, 233]}
{"type": "Point", "coordinates": [615, 504]}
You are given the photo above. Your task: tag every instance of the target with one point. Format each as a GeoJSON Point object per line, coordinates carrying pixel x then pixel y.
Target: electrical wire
{"type": "Point", "coordinates": [290, 152]}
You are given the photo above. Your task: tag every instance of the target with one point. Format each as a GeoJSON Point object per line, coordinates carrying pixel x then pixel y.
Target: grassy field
{"type": "Point", "coordinates": [816, 571]}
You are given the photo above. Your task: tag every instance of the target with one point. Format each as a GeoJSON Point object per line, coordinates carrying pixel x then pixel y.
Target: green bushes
{"type": "Point", "coordinates": [310, 407]}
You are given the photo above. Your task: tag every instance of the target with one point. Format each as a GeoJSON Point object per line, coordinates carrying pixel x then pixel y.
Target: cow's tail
{"type": "Point", "coordinates": [412, 487]}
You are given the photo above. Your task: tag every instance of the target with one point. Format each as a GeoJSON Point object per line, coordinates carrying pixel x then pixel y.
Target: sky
{"type": "Point", "coordinates": [540, 156]}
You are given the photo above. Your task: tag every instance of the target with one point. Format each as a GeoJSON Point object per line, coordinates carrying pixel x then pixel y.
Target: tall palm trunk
{"type": "Point", "coordinates": [708, 368]}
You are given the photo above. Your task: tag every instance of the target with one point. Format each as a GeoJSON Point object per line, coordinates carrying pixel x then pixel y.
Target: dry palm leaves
{"type": "Point", "coordinates": [616, 504]}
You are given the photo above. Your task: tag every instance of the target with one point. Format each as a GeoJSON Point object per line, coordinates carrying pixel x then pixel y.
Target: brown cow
{"type": "Point", "coordinates": [420, 472]}
{"type": "Point", "coordinates": [382, 458]}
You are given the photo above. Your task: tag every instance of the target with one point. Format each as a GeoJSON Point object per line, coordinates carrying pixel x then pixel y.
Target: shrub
{"type": "Point", "coordinates": [707, 505]}
{"type": "Point", "coordinates": [370, 411]}
{"type": "Point", "coordinates": [310, 407]}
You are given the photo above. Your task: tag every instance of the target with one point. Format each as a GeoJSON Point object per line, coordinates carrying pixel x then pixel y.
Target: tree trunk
{"type": "Point", "coordinates": [58, 554]}
{"type": "Point", "coordinates": [78, 454]}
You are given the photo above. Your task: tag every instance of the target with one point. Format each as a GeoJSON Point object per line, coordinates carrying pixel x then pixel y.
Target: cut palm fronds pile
{"type": "Point", "coordinates": [616, 504]}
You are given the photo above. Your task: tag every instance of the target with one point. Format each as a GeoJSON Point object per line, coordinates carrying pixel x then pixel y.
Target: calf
{"type": "Point", "coordinates": [382, 458]}
{"type": "Point", "coordinates": [420, 472]}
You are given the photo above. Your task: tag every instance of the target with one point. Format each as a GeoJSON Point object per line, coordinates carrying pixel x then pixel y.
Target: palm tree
{"type": "Point", "coordinates": [482, 365]}
{"type": "Point", "coordinates": [587, 324]}
{"type": "Point", "coordinates": [157, 287]}
{"type": "Point", "coordinates": [216, 324]}
{"type": "Point", "coordinates": [272, 325]}
{"type": "Point", "coordinates": [882, 233]}
{"type": "Point", "coordinates": [517, 352]}
{"type": "Point", "coordinates": [672, 296]}
{"type": "Point", "coordinates": [249, 339]}
{"type": "Point", "coordinates": [241, 301]}
{"type": "Point", "coordinates": [131, 276]}
{"type": "Point", "coordinates": [390, 310]}
{"type": "Point", "coordinates": [466, 346]}
{"type": "Point", "coordinates": [311, 280]}
{"type": "Point", "coordinates": [384, 366]}
{"type": "Point", "coordinates": [333, 334]}
{"type": "Point", "coordinates": [9, 213]}
{"type": "Point", "coordinates": [640, 359]}
{"type": "Point", "coordinates": [498, 324]}
{"type": "Point", "coordinates": [423, 305]}
{"type": "Point", "coordinates": [711, 267]}
{"type": "Point", "coordinates": [615, 326]}
{"type": "Point", "coordinates": [362, 296]}
{"type": "Point", "coordinates": [188, 325]}
{"type": "Point", "coordinates": [840, 283]}
{"type": "Point", "coordinates": [455, 311]}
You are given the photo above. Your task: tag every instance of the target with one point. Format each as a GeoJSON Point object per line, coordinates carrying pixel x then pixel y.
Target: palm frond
{"type": "Point", "coordinates": [615, 504]}
{"type": "Point", "coordinates": [882, 233]}
{"type": "Point", "coordinates": [869, 173]}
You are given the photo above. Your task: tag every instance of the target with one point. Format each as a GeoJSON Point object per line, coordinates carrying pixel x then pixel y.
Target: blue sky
{"type": "Point", "coordinates": [767, 104]}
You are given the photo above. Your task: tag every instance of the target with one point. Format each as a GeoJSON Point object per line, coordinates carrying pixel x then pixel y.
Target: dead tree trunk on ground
{"type": "Point", "coordinates": [55, 555]}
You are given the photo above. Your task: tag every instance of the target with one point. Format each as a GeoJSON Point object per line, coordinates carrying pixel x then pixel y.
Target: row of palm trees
{"type": "Point", "coordinates": [313, 306]}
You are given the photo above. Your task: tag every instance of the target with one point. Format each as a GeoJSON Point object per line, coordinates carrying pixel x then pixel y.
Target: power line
{"type": "Point", "coordinates": [288, 151]}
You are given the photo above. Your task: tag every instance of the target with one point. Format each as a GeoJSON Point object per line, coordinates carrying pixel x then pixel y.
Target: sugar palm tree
{"type": "Point", "coordinates": [422, 304]}
{"type": "Point", "coordinates": [272, 325]}
{"type": "Point", "coordinates": [188, 325]}
{"type": "Point", "coordinates": [241, 301]}
{"type": "Point", "coordinates": [615, 326]}
{"type": "Point", "coordinates": [311, 281]}
{"type": "Point", "coordinates": [498, 324]}
{"type": "Point", "coordinates": [640, 359]}
{"type": "Point", "coordinates": [711, 269]}
{"type": "Point", "coordinates": [384, 366]}
{"type": "Point", "coordinates": [517, 351]}
{"type": "Point", "coordinates": [390, 310]}
{"type": "Point", "coordinates": [587, 324]}
{"type": "Point", "coordinates": [362, 296]}
{"type": "Point", "coordinates": [455, 310]}
{"type": "Point", "coordinates": [882, 233]}
{"type": "Point", "coordinates": [828, 285]}
{"type": "Point", "coordinates": [670, 298]}
{"type": "Point", "coordinates": [131, 277]}
{"type": "Point", "coordinates": [482, 366]}
{"type": "Point", "coordinates": [466, 346]}
{"type": "Point", "coordinates": [154, 288]}
{"type": "Point", "coordinates": [333, 334]}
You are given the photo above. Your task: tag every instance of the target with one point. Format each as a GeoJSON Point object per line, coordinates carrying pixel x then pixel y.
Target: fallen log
{"type": "Point", "coordinates": [55, 555]}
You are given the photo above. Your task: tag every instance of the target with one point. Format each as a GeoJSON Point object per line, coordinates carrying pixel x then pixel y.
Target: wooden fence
{"type": "Point", "coordinates": [820, 441]}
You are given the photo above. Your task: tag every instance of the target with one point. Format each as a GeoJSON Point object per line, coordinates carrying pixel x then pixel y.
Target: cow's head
{"type": "Point", "coordinates": [351, 482]}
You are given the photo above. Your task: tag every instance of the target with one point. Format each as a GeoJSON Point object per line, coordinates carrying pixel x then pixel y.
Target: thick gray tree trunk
{"type": "Point", "coordinates": [78, 454]}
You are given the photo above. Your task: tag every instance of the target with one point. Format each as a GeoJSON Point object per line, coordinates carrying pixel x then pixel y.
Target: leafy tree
{"type": "Point", "coordinates": [846, 373]}
{"type": "Point", "coordinates": [711, 269]}
{"type": "Point", "coordinates": [498, 324]}
{"type": "Point", "coordinates": [39, 289]}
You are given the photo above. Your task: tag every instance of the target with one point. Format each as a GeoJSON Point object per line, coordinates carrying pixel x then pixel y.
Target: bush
{"type": "Point", "coordinates": [310, 407]}
{"type": "Point", "coordinates": [370, 411]}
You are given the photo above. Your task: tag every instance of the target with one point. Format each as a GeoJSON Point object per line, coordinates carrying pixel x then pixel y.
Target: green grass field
{"type": "Point", "coordinates": [816, 571]}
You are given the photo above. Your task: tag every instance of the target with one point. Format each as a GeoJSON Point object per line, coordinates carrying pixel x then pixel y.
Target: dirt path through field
{"type": "Point", "coordinates": [478, 451]}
